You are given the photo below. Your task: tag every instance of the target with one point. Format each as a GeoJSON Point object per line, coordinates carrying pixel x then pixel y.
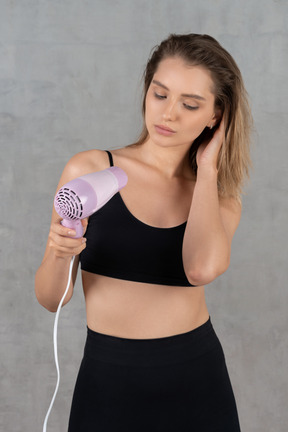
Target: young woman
{"type": "Point", "coordinates": [152, 360]}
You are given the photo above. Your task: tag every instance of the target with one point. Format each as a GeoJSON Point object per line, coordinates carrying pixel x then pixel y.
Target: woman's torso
{"type": "Point", "coordinates": [141, 310]}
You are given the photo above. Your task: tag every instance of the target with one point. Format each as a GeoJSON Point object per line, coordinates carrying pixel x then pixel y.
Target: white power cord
{"type": "Point", "coordinates": [55, 343]}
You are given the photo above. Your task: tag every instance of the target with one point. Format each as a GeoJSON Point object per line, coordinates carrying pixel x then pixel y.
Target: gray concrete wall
{"type": "Point", "coordinates": [68, 70]}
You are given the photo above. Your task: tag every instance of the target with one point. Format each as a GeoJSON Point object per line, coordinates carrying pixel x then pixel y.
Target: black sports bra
{"type": "Point", "coordinates": [121, 246]}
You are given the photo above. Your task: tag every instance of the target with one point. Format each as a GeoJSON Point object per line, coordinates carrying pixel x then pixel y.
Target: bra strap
{"type": "Point", "coordinates": [110, 158]}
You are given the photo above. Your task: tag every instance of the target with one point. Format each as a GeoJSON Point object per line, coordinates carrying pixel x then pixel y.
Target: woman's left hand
{"type": "Point", "coordinates": [207, 153]}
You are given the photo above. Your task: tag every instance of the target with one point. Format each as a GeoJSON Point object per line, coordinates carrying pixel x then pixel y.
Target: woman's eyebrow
{"type": "Point", "coordinates": [194, 96]}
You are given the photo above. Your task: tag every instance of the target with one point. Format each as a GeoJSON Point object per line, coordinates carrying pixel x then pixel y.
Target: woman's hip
{"type": "Point", "coordinates": [165, 383]}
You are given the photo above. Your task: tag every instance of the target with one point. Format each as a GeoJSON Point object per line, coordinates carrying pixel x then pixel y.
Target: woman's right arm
{"type": "Point", "coordinates": [52, 275]}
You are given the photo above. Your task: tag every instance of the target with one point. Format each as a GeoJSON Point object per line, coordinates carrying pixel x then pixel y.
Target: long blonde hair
{"type": "Point", "coordinates": [230, 96]}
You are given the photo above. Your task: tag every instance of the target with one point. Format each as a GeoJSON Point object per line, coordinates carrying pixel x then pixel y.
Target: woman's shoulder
{"type": "Point", "coordinates": [83, 163]}
{"type": "Point", "coordinates": [87, 161]}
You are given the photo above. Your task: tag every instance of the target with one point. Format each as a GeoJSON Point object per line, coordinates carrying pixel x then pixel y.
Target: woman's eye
{"type": "Point", "coordinates": [189, 107]}
{"type": "Point", "coordinates": [158, 96]}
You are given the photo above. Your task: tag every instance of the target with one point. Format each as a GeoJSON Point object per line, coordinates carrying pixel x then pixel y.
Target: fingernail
{"type": "Point", "coordinates": [84, 240]}
{"type": "Point", "coordinates": [72, 233]}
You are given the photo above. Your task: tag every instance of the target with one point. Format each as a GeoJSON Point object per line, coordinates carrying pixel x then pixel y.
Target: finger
{"type": "Point", "coordinates": [219, 135]}
{"type": "Point", "coordinates": [59, 229]}
{"type": "Point", "coordinates": [84, 222]}
{"type": "Point", "coordinates": [67, 242]}
{"type": "Point", "coordinates": [214, 145]}
{"type": "Point", "coordinates": [62, 251]}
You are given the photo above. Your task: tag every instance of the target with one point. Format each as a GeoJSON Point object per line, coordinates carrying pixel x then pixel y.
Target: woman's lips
{"type": "Point", "coordinates": [164, 130]}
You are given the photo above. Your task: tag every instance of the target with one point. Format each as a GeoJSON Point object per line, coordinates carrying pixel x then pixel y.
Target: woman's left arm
{"type": "Point", "coordinates": [212, 222]}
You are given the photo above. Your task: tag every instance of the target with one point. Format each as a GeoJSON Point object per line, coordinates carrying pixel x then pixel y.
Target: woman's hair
{"type": "Point", "coordinates": [230, 96]}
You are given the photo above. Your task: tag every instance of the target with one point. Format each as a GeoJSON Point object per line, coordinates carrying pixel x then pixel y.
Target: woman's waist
{"type": "Point", "coordinates": [141, 311]}
{"type": "Point", "coordinates": [178, 348]}
{"type": "Point", "coordinates": [144, 327]}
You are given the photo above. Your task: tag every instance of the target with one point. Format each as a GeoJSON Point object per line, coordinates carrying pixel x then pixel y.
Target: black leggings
{"type": "Point", "coordinates": [175, 383]}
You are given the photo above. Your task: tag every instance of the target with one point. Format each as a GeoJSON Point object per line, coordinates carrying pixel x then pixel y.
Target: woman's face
{"type": "Point", "coordinates": [179, 98]}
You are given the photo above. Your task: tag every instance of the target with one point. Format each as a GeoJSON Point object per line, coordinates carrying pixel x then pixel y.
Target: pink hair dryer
{"type": "Point", "coordinates": [84, 195]}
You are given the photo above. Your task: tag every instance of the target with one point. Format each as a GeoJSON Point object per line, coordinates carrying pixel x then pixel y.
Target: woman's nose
{"type": "Point", "coordinates": [170, 111]}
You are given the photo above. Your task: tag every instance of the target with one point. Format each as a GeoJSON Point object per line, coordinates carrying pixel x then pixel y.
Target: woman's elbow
{"type": "Point", "coordinates": [50, 304]}
{"type": "Point", "coordinates": [51, 307]}
{"type": "Point", "coordinates": [204, 274]}
{"type": "Point", "coordinates": [43, 302]}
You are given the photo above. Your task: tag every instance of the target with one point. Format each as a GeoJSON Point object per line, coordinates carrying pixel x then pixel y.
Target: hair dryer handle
{"type": "Point", "coordinates": [76, 225]}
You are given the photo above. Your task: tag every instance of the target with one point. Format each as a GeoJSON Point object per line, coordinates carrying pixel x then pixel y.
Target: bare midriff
{"type": "Point", "coordinates": [137, 310]}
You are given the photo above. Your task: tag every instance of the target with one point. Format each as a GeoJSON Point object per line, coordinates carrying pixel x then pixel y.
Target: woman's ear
{"type": "Point", "coordinates": [216, 119]}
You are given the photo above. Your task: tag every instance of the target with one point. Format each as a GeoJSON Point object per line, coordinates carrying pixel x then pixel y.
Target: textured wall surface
{"type": "Point", "coordinates": [68, 71]}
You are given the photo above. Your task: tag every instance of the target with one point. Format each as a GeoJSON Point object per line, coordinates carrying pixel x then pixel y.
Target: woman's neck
{"type": "Point", "coordinates": [171, 161]}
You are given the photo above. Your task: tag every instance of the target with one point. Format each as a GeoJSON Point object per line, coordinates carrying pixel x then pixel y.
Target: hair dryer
{"type": "Point", "coordinates": [83, 196]}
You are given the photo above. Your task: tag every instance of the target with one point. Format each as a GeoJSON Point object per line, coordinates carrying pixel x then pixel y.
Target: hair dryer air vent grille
{"type": "Point", "coordinates": [68, 204]}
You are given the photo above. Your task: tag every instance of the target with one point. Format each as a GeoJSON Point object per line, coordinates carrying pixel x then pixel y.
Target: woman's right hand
{"type": "Point", "coordinates": [61, 240]}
